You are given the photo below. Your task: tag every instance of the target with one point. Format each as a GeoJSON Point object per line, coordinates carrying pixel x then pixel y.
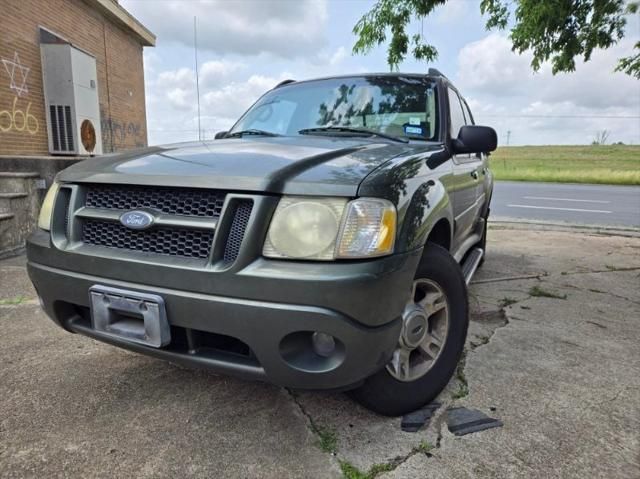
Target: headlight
{"type": "Point", "coordinates": [305, 228]}
{"type": "Point", "coordinates": [44, 220]}
{"type": "Point", "coordinates": [330, 228]}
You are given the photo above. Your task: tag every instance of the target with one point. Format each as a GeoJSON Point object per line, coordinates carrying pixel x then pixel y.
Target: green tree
{"type": "Point", "coordinates": [558, 31]}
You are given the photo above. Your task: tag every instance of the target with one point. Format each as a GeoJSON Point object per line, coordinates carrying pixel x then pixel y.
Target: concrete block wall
{"type": "Point", "coordinates": [23, 184]}
{"type": "Point", "coordinates": [19, 205]}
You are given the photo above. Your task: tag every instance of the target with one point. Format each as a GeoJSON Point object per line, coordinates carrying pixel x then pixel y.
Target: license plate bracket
{"type": "Point", "coordinates": [137, 317]}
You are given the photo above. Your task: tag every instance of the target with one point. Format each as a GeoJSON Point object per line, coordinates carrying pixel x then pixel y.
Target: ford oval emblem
{"type": "Point", "coordinates": [137, 220]}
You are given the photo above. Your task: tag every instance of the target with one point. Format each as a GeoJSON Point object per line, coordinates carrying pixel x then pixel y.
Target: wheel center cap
{"type": "Point", "coordinates": [415, 329]}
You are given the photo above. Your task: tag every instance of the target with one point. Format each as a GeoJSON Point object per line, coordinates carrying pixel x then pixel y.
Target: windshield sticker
{"type": "Point", "coordinates": [412, 130]}
{"type": "Point", "coordinates": [414, 120]}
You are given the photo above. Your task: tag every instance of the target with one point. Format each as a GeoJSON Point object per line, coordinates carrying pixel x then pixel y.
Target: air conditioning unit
{"type": "Point", "coordinates": [71, 99]}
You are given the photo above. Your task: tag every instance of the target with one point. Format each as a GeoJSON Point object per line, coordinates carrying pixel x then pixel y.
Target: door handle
{"type": "Point", "coordinates": [474, 174]}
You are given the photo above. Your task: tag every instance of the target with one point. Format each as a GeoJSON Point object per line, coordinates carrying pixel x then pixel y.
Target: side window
{"type": "Point", "coordinates": [457, 116]}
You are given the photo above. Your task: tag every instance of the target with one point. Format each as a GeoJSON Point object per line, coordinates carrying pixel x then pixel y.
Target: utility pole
{"type": "Point", "coordinates": [195, 48]}
{"type": "Point", "coordinates": [508, 136]}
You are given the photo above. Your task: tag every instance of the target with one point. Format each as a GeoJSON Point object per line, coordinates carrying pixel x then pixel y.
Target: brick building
{"type": "Point", "coordinates": [100, 28]}
{"type": "Point", "coordinates": [71, 85]}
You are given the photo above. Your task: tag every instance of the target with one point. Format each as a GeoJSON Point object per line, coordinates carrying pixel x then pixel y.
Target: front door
{"type": "Point", "coordinates": [467, 177]}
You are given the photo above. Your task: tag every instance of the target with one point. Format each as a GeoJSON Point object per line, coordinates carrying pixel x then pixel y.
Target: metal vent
{"type": "Point", "coordinates": [61, 128]}
{"type": "Point", "coordinates": [236, 233]}
{"type": "Point", "coordinates": [171, 201]}
{"type": "Point", "coordinates": [185, 242]}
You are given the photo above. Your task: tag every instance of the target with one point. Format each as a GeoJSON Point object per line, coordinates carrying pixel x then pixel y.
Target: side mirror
{"type": "Point", "coordinates": [475, 139]}
{"type": "Point", "coordinates": [220, 134]}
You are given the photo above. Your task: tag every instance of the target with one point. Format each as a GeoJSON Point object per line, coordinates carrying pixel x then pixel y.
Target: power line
{"type": "Point", "coordinates": [616, 117]}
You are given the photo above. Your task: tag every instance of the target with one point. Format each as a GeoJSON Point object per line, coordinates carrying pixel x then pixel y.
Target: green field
{"type": "Point", "coordinates": [604, 164]}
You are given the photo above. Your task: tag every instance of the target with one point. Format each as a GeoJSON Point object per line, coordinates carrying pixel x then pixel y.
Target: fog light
{"type": "Point", "coordinates": [323, 344]}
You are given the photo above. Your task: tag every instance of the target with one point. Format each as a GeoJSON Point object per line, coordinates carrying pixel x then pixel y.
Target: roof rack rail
{"type": "Point", "coordinates": [284, 82]}
{"type": "Point", "coordinates": [434, 72]}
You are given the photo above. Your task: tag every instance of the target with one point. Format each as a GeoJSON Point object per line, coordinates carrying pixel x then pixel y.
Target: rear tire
{"type": "Point", "coordinates": [383, 392]}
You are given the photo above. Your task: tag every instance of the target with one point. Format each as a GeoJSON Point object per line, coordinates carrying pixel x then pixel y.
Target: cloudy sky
{"type": "Point", "coordinates": [245, 47]}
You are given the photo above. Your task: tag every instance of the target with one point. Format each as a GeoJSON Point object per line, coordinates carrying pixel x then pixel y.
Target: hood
{"type": "Point", "coordinates": [287, 165]}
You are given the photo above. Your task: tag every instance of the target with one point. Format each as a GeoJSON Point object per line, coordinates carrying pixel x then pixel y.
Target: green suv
{"type": "Point", "coordinates": [324, 242]}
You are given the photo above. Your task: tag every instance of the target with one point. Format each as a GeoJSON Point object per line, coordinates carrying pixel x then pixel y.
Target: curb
{"type": "Point", "coordinates": [513, 223]}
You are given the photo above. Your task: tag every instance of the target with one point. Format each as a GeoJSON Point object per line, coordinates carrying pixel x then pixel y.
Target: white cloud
{"type": "Point", "coordinates": [540, 108]}
{"type": "Point", "coordinates": [453, 11]}
{"type": "Point", "coordinates": [224, 96]}
{"type": "Point", "coordinates": [489, 66]}
{"type": "Point", "coordinates": [216, 73]}
{"type": "Point", "coordinates": [339, 55]}
{"type": "Point", "coordinates": [233, 99]}
{"type": "Point", "coordinates": [247, 27]}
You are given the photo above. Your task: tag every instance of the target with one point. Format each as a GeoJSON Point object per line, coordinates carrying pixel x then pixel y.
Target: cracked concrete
{"type": "Point", "coordinates": [563, 376]}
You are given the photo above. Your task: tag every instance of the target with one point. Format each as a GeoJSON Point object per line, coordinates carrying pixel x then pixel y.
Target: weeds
{"type": "Point", "coordinates": [327, 440]}
{"type": "Point", "coordinates": [538, 292]}
{"type": "Point", "coordinates": [13, 301]}
{"type": "Point", "coordinates": [425, 447]}
{"type": "Point", "coordinates": [349, 471]}
{"type": "Point", "coordinates": [463, 386]}
{"type": "Point", "coordinates": [506, 301]}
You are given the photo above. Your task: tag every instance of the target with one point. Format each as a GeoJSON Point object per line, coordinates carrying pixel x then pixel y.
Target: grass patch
{"type": "Point", "coordinates": [538, 292]}
{"type": "Point", "coordinates": [463, 386]}
{"type": "Point", "coordinates": [598, 164]}
{"type": "Point", "coordinates": [349, 471]}
{"type": "Point", "coordinates": [506, 301]}
{"type": "Point", "coordinates": [425, 447]}
{"type": "Point", "coordinates": [13, 301]}
{"type": "Point", "coordinates": [327, 440]}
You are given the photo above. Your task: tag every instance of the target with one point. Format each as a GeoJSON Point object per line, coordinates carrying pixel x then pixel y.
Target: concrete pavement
{"type": "Point", "coordinates": [557, 202]}
{"type": "Point", "coordinates": [554, 356]}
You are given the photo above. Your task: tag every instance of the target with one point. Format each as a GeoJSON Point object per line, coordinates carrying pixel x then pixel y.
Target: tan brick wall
{"type": "Point", "coordinates": [23, 129]}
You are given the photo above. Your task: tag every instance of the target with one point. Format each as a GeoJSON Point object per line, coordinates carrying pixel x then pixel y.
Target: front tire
{"type": "Point", "coordinates": [426, 358]}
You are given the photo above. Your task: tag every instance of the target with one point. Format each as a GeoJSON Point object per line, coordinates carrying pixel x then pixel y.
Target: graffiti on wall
{"type": "Point", "coordinates": [17, 74]}
{"type": "Point", "coordinates": [18, 117]}
{"type": "Point", "coordinates": [117, 133]}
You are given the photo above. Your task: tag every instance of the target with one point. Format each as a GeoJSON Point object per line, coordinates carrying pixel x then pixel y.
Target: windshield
{"type": "Point", "coordinates": [404, 107]}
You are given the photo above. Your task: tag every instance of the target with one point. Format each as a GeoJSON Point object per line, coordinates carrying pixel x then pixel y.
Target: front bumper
{"type": "Point", "coordinates": [272, 307]}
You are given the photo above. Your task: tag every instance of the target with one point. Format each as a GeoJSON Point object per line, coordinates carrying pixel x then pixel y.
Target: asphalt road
{"type": "Point", "coordinates": [558, 202]}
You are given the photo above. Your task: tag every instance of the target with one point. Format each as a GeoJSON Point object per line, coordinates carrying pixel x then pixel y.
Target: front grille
{"type": "Point", "coordinates": [189, 243]}
{"type": "Point", "coordinates": [168, 200]}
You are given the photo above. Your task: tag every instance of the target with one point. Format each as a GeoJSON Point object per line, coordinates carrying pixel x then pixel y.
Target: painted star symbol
{"type": "Point", "coordinates": [17, 73]}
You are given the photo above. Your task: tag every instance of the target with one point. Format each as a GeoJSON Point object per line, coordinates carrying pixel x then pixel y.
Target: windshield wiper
{"type": "Point", "coordinates": [252, 131]}
{"type": "Point", "coordinates": [348, 129]}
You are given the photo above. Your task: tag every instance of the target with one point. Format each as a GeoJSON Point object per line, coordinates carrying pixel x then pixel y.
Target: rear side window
{"type": "Point", "coordinates": [456, 113]}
